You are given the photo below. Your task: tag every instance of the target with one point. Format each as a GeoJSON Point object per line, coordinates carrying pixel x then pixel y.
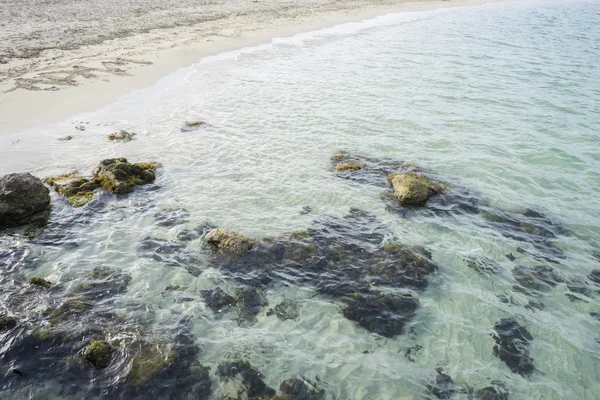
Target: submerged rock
{"type": "Point", "coordinates": [443, 386]}
{"type": "Point", "coordinates": [354, 166]}
{"type": "Point", "coordinates": [594, 276]}
{"type": "Point", "coordinates": [250, 302]}
{"type": "Point", "coordinates": [98, 353]}
{"type": "Point", "coordinates": [172, 217]}
{"type": "Point", "coordinates": [242, 381]}
{"type": "Point", "coordinates": [384, 314]}
{"type": "Point", "coordinates": [531, 227]}
{"type": "Point", "coordinates": [491, 393]}
{"type": "Point", "coordinates": [299, 389]}
{"type": "Point", "coordinates": [121, 136]}
{"type": "Point", "coordinates": [217, 299]}
{"type": "Point", "coordinates": [7, 322]}
{"type": "Point", "coordinates": [413, 189]}
{"type": "Point", "coordinates": [119, 176]}
{"type": "Point", "coordinates": [535, 279]}
{"type": "Point", "coordinates": [366, 170]}
{"type": "Point", "coordinates": [190, 126]}
{"type": "Point", "coordinates": [23, 199]}
{"type": "Point", "coordinates": [228, 242]}
{"type": "Point", "coordinates": [285, 310]}
{"type": "Point", "coordinates": [150, 360]}
{"type": "Point", "coordinates": [512, 341]}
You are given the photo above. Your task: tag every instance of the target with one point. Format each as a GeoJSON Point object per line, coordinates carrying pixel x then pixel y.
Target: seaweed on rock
{"type": "Point", "coordinates": [217, 299]}
{"type": "Point", "coordinates": [512, 341]}
{"type": "Point", "coordinates": [250, 302]}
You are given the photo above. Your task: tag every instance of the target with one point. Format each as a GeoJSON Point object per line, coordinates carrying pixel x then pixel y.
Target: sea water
{"type": "Point", "coordinates": [502, 99]}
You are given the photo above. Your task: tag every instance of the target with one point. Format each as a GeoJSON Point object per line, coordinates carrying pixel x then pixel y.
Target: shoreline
{"type": "Point", "coordinates": [103, 82]}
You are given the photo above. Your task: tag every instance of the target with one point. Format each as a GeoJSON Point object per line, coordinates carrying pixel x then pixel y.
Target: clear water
{"type": "Point", "coordinates": [502, 99]}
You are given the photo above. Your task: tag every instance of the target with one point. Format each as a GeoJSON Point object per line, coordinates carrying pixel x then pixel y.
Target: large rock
{"type": "Point", "coordinates": [228, 242]}
{"type": "Point", "coordinates": [117, 175]}
{"type": "Point", "coordinates": [23, 199]}
{"type": "Point", "coordinates": [413, 189]}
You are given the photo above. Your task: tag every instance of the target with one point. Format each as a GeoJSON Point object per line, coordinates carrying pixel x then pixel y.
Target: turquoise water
{"type": "Point", "coordinates": [501, 99]}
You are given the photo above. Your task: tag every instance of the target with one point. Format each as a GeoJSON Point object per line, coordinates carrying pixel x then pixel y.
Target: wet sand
{"type": "Point", "coordinates": [64, 57]}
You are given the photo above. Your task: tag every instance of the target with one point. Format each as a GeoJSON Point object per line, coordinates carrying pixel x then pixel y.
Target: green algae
{"type": "Point", "coordinates": [149, 362]}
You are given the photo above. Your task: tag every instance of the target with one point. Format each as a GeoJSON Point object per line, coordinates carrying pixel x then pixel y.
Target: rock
{"type": "Point", "coordinates": [538, 278]}
{"type": "Point", "coordinates": [194, 125]}
{"type": "Point", "coordinates": [594, 276]}
{"type": "Point", "coordinates": [23, 199]}
{"type": "Point", "coordinates": [172, 217]}
{"type": "Point", "coordinates": [249, 303]}
{"type": "Point", "coordinates": [77, 189]}
{"type": "Point", "coordinates": [299, 389]}
{"type": "Point", "coordinates": [122, 136]}
{"type": "Point", "coordinates": [7, 322]}
{"type": "Point", "coordinates": [151, 360]}
{"type": "Point", "coordinates": [413, 189]}
{"type": "Point", "coordinates": [98, 353]}
{"type": "Point", "coordinates": [69, 309]}
{"type": "Point", "coordinates": [285, 310]}
{"type": "Point", "coordinates": [119, 176]}
{"type": "Point", "coordinates": [66, 138]}
{"type": "Point", "coordinates": [39, 281]}
{"type": "Point", "coordinates": [228, 242]}
{"type": "Point", "coordinates": [443, 386]}
{"type": "Point", "coordinates": [491, 393]}
{"type": "Point", "coordinates": [511, 347]}
{"type": "Point", "coordinates": [173, 288]}
{"type": "Point", "coordinates": [384, 314]}
{"type": "Point", "coordinates": [353, 166]}
{"type": "Point", "coordinates": [217, 299]}
{"type": "Point", "coordinates": [245, 382]}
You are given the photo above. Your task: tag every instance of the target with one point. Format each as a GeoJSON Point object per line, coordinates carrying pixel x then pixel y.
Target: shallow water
{"type": "Point", "coordinates": [501, 99]}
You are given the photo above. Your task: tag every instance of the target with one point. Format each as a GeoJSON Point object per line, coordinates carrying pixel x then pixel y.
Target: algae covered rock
{"type": "Point", "coordinates": [75, 188]}
{"type": "Point", "coordinates": [121, 136]}
{"type": "Point", "coordinates": [39, 281]}
{"type": "Point", "coordinates": [150, 361]}
{"type": "Point", "coordinates": [117, 175]}
{"type": "Point", "coordinates": [352, 166]}
{"type": "Point", "coordinates": [228, 242]}
{"type": "Point", "coordinates": [190, 126]}
{"type": "Point", "coordinates": [23, 199]}
{"type": "Point", "coordinates": [413, 189]}
{"type": "Point", "coordinates": [285, 310]}
{"type": "Point", "coordinates": [98, 353]}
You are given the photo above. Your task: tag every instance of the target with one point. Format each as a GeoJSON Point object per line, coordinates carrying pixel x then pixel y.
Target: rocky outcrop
{"type": "Point", "coordinates": [23, 199]}
{"type": "Point", "coordinates": [117, 175]}
{"type": "Point", "coordinates": [413, 189]}
{"type": "Point", "coordinates": [77, 190]}
{"type": "Point", "coordinates": [228, 242]}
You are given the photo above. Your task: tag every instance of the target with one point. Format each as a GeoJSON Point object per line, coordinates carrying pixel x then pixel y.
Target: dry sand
{"type": "Point", "coordinates": [63, 57]}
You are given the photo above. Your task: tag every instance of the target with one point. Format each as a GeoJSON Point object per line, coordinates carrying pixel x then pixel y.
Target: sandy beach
{"type": "Point", "coordinates": [71, 57]}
